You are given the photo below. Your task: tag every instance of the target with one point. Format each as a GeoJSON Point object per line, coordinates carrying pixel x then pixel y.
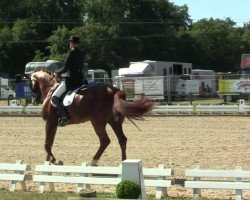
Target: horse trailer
{"type": "Point", "coordinates": [156, 79]}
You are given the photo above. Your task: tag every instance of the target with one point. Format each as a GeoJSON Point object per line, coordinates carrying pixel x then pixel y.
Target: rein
{"type": "Point", "coordinates": [51, 84]}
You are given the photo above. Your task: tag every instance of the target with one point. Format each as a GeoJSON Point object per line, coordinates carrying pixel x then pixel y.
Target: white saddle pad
{"type": "Point", "coordinates": [68, 99]}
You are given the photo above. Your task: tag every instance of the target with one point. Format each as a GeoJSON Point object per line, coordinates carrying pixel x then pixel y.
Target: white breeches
{"type": "Point", "coordinates": [59, 91]}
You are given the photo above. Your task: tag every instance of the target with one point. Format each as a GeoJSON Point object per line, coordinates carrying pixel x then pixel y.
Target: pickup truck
{"type": "Point", "coordinates": [7, 93]}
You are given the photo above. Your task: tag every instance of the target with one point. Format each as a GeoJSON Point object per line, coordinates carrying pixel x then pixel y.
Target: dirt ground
{"type": "Point", "coordinates": [212, 142]}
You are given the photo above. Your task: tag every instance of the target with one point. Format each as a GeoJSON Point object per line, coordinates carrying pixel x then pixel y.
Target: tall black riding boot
{"type": "Point", "coordinates": [64, 119]}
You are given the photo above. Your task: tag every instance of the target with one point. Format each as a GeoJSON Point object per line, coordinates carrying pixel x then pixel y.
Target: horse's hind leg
{"type": "Point", "coordinates": [100, 129]}
{"type": "Point", "coordinates": [117, 127]}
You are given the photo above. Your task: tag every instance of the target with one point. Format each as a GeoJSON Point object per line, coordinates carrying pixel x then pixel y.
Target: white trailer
{"type": "Point", "coordinates": [51, 65]}
{"type": "Point", "coordinates": [159, 68]}
{"type": "Point", "coordinates": [158, 79]}
{"type": "Point", "coordinates": [207, 81]}
{"type": "Point", "coordinates": [97, 75]}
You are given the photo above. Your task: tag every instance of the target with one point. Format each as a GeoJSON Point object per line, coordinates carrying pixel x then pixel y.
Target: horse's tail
{"type": "Point", "coordinates": [135, 109]}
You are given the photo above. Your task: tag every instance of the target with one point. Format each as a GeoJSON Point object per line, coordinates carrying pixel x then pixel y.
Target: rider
{"type": "Point", "coordinates": [73, 65]}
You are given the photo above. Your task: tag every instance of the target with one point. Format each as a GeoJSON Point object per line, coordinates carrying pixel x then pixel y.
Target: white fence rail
{"type": "Point", "coordinates": [241, 109]}
{"type": "Point", "coordinates": [20, 110]}
{"type": "Point", "coordinates": [160, 177]}
{"type": "Point", "coordinates": [217, 109]}
{"type": "Point", "coordinates": [14, 173]}
{"type": "Point", "coordinates": [88, 175]}
{"type": "Point", "coordinates": [175, 109]}
{"type": "Point", "coordinates": [11, 109]}
{"type": "Point", "coordinates": [201, 109]}
{"type": "Point", "coordinates": [237, 180]}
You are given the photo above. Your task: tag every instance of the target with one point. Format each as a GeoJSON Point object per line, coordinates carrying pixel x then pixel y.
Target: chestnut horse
{"type": "Point", "coordinates": [100, 104]}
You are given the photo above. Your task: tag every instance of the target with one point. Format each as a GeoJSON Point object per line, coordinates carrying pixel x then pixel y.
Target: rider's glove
{"type": "Point", "coordinates": [56, 74]}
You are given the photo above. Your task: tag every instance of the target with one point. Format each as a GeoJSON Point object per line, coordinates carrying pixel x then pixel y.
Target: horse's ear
{"type": "Point", "coordinates": [33, 77]}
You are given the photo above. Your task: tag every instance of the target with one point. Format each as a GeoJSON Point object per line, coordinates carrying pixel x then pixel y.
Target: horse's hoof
{"type": "Point", "coordinates": [94, 163]}
{"type": "Point", "coordinates": [60, 162]}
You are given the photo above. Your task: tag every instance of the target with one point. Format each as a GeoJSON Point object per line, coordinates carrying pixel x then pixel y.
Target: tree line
{"type": "Point", "coordinates": [115, 32]}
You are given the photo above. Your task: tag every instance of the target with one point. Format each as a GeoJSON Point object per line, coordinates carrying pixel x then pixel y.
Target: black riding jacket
{"type": "Point", "coordinates": [73, 65]}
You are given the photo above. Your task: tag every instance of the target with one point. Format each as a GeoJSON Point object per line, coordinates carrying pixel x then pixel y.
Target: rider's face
{"type": "Point", "coordinates": [71, 45]}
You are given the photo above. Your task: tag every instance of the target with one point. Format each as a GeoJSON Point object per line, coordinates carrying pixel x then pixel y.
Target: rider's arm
{"type": "Point", "coordinates": [66, 64]}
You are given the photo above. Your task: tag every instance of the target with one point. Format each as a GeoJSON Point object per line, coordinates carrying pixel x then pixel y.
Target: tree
{"type": "Point", "coordinates": [115, 32]}
{"type": "Point", "coordinates": [5, 43]}
{"type": "Point", "coordinates": [58, 46]}
{"type": "Point", "coordinates": [217, 44]}
{"type": "Point", "coordinates": [24, 30]}
{"type": "Point", "coordinates": [154, 25]}
{"type": "Point", "coordinates": [31, 23]}
{"type": "Point", "coordinates": [142, 29]}
{"type": "Point", "coordinates": [245, 38]}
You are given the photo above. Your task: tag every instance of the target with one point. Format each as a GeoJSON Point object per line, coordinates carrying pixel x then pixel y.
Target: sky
{"type": "Point", "coordinates": [237, 10]}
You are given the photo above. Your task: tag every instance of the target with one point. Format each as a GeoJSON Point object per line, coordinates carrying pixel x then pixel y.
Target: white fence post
{"type": "Point", "coordinates": [81, 185]}
{"type": "Point", "coordinates": [13, 183]}
{"type": "Point", "coordinates": [132, 170]}
{"type": "Point", "coordinates": [242, 106]}
{"type": "Point", "coordinates": [161, 191]}
{"type": "Point", "coordinates": [238, 192]}
{"type": "Point", "coordinates": [43, 184]}
{"type": "Point", "coordinates": [196, 191]}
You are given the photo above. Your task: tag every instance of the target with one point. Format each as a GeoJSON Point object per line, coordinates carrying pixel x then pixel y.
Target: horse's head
{"type": "Point", "coordinates": [35, 90]}
{"type": "Point", "coordinates": [40, 83]}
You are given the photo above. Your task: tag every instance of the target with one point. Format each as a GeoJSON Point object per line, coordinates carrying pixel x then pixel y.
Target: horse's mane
{"type": "Point", "coordinates": [42, 73]}
{"type": "Point", "coordinates": [46, 76]}
{"type": "Point", "coordinates": [44, 70]}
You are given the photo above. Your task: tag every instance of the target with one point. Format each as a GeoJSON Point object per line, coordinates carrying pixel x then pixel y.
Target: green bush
{"type": "Point", "coordinates": [128, 189]}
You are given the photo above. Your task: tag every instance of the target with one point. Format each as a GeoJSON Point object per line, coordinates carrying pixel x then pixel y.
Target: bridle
{"type": "Point", "coordinates": [36, 88]}
{"type": "Point", "coordinates": [35, 91]}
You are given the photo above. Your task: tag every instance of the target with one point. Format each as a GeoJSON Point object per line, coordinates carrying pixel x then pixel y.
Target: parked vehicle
{"type": "Point", "coordinates": [235, 87]}
{"type": "Point", "coordinates": [232, 90]}
{"type": "Point", "coordinates": [158, 68]}
{"type": "Point", "coordinates": [207, 81]}
{"type": "Point", "coordinates": [51, 65]}
{"type": "Point", "coordinates": [5, 90]}
{"type": "Point", "coordinates": [97, 75]}
{"type": "Point", "coordinates": [7, 93]}
{"type": "Point", "coordinates": [157, 79]}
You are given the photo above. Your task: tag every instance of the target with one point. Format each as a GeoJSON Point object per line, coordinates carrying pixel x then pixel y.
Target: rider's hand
{"type": "Point", "coordinates": [57, 76]}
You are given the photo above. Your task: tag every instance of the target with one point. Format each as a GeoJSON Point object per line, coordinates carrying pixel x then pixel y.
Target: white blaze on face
{"type": "Point", "coordinates": [33, 79]}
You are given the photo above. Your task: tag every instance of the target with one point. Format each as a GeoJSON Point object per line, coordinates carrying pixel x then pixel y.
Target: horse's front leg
{"type": "Point", "coordinates": [51, 127]}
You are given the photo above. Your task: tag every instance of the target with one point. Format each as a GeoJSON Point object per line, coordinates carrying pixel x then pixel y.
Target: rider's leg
{"type": "Point", "coordinates": [55, 101]}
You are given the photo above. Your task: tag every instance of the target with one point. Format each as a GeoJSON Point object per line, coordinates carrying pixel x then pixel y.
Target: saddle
{"type": "Point", "coordinates": [68, 98]}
